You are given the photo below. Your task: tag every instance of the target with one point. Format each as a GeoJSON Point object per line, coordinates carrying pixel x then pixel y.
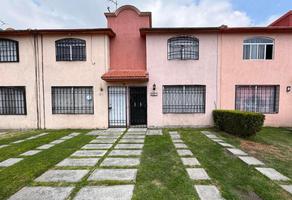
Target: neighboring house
{"type": "Point", "coordinates": [131, 74]}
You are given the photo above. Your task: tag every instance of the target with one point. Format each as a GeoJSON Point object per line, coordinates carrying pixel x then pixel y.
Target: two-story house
{"type": "Point", "coordinates": [131, 74]}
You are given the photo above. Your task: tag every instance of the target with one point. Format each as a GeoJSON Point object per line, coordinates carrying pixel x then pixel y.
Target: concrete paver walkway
{"type": "Point", "coordinates": [194, 169]}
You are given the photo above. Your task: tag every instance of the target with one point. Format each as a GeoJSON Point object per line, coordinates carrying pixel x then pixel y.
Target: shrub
{"type": "Point", "coordinates": [238, 123]}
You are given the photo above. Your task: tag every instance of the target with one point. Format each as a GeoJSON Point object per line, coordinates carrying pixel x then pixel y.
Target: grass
{"type": "Point", "coordinates": [161, 174]}
{"type": "Point", "coordinates": [235, 179]}
{"type": "Point", "coordinates": [16, 149]}
{"type": "Point", "coordinates": [273, 146]}
{"type": "Point", "coordinates": [12, 136]}
{"type": "Point", "coordinates": [23, 173]}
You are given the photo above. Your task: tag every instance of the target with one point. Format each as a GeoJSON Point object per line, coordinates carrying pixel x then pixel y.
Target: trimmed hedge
{"type": "Point", "coordinates": [238, 123]}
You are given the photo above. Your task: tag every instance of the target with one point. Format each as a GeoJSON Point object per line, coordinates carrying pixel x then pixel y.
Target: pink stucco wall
{"type": "Point", "coordinates": [178, 72]}
{"type": "Point", "coordinates": [236, 71]}
{"type": "Point", "coordinates": [128, 48]}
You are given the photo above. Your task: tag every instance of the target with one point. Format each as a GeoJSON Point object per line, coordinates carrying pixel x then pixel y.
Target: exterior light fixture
{"type": "Point", "coordinates": [154, 87]}
{"type": "Point", "coordinates": [288, 89]}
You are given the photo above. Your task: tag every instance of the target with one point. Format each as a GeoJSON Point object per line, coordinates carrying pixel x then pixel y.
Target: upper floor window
{"type": "Point", "coordinates": [8, 50]}
{"type": "Point", "coordinates": [70, 49]}
{"type": "Point", "coordinates": [258, 48]}
{"type": "Point", "coordinates": [183, 48]}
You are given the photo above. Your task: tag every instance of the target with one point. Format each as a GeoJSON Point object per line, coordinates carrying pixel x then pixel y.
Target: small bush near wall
{"type": "Point", "coordinates": [238, 123]}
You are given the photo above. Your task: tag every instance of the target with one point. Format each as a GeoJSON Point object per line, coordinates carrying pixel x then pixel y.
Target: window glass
{"type": "Point", "coordinates": [261, 98]}
{"type": "Point", "coordinates": [72, 100]}
{"type": "Point", "coordinates": [258, 48]}
{"type": "Point", "coordinates": [70, 50]}
{"type": "Point", "coordinates": [8, 50]}
{"type": "Point", "coordinates": [12, 101]}
{"type": "Point", "coordinates": [184, 99]}
{"type": "Point", "coordinates": [183, 48]}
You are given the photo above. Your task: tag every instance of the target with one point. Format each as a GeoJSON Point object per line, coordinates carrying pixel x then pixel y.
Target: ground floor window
{"type": "Point", "coordinates": [72, 100]}
{"type": "Point", "coordinates": [184, 98]}
{"type": "Point", "coordinates": [12, 101]}
{"type": "Point", "coordinates": [257, 98]}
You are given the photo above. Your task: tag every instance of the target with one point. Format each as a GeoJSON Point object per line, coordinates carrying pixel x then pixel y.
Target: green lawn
{"type": "Point", "coordinates": [273, 146]}
{"type": "Point", "coordinates": [23, 173]}
{"type": "Point", "coordinates": [12, 136]}
{"type": "Point", "coordinates": [161, 174]}
{"type": "Point", "coordinates": [235, 179]}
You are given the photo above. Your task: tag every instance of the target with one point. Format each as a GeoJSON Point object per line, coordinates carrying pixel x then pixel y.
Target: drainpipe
{"type": "Point", "coordinates": [35, 45]}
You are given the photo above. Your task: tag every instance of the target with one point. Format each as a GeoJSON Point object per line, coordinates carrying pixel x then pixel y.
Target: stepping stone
{"type": "Point", "coordinates": [74, 134]}
{"type": "Point", "coordinates": [42, 193]}
{"type": "Point", "coordinates": [95, 132]}
{"type": "Point", "coordinates": [4, 145]}
{"type": "Point", "coordinates": [45, 146]}
{"type": "Point", "coordinates": [175, 137]}
{"type": "Point", "coordinates": [207, 133]}
{"type": "Point", "coordinates": [237, 152]}
{"type": "Point", "coordinates": [177, 141]}
{"type": "Point", "coordinates": [154, 132]}
{"type": "Point", "coordinates": [288, 188]}
{"type": "Point", "coordinates": [78, 162]}
{"type": "Point", "coordinates": [57, 141]}
{"type": "Point", "coordinates": [42, 134]}
{"type": "Point", "coordinates": [180, 146]}
{"type": "Point", "coordinates": [89, 153]}
{"type": "Point", "coordinates": [9, 162]}
{"type": "Point", "coordinates": [129, 146]}
{"type": "Point", "coordinates": [250, 160]}
{"type": "Point", "coordinates": [137, 130]}
{"type": "Point", "coordinates": [184, 152]}
{"type": "Point", "coordinates": [212, 136]}
{"type": "Point", "coordinates": [134, 137]}
{"type": "Point", "coordinates": [115, 130]}
{"type": "Point", "coordinates": [108, 137]}
{"type": "Point", "coordinates": [272, 174]}
{"type": "Point", "coordinates": [32, 137]}
{"type": "Point", "coordinates": [72, 176]}
{"type": "Point", "coordinates": [66, 137]}
{"type": "Point", "coordinates": [117, 192]}
{"type": "Point", "coordinates": [125, 153]}
{"type": "Point", "coordinates": [113, 175]}
{"type": "Point", "coordinates": [104, 141]}
{"type": "Point", "coordinates": [198, 174]}
{"type": "Point", "coordinates": [136, 133]}
{"type": "Point", "coordinates": [218, 140]}
{"type": "Point", "coordinates": [190, 161]}
{"type": "Point", "coordinates": [97, 146]}
{"type": "Point", "coordinates": [18, 141]}
{"type": "Point", "coordinates": [30, 153]}
{"type": "Point", "coordinates": [132, 141]}
{"type": "Point", "coordinates": [120, 162]}
{"type": "Point", "coordinates": [224, 144]}
{"type": "Point", "coordinates": [173, 133]}
{"type": "Point", "coordinates": [208, 192]}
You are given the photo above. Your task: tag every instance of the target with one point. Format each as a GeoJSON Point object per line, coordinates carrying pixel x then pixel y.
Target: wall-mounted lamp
{"type": "Point", "coordinates": [288, 89]}
{"type": "Point", "coordinates": [153, 93]}
{"type": "Point", "coordinates": [154, 87]}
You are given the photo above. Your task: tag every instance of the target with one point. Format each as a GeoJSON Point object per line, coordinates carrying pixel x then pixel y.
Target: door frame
{"type": "Point", "coordinates": [126, 105]}
{"type": "Point", "coordinates": [129, 96]}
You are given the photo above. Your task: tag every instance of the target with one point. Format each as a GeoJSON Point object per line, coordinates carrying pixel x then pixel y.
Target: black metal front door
{"type": "Point", "coordinates": [138, 106]}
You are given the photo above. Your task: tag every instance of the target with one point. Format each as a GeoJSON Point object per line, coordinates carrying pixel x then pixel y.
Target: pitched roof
{"type": "Point", "coordinates": [105, 31]}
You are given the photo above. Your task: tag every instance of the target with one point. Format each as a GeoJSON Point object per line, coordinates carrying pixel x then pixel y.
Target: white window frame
{"type": "Point", "coordinates": [257, 48]}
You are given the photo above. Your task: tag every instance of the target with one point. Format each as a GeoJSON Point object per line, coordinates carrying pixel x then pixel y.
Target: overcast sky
{"type": "Point", "coordinates": [23, 14]}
